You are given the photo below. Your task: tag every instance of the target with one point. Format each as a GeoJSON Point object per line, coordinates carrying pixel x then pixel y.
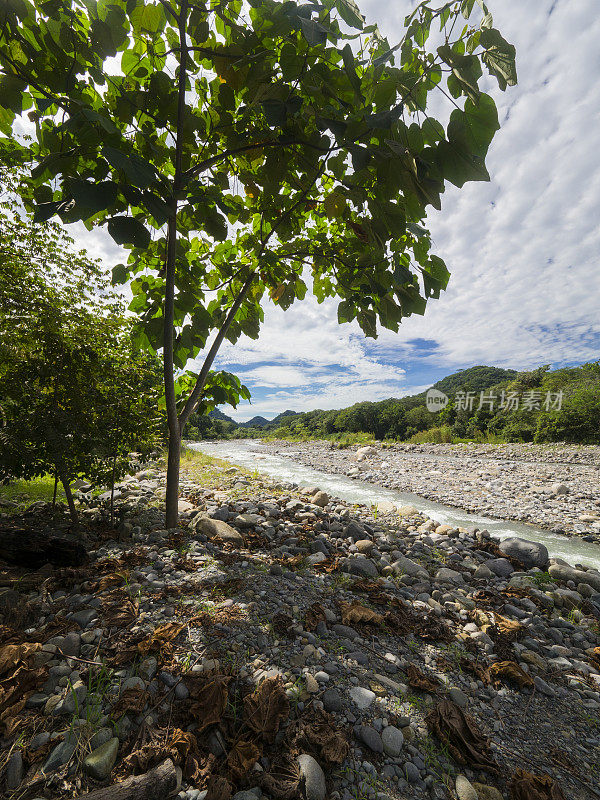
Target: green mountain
{"type": "Point", "coordinates": [474, 379]}
{"type": "Point", "coordinates": [255, 422]}
{"type": "Point", "coordinates": [218, 414]}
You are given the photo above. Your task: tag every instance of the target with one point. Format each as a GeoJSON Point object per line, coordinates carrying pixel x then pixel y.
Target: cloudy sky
{"type": "Point", "coordinates": [523, 249]}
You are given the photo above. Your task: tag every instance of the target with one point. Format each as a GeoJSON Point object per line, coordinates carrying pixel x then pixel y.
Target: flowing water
{"type": "Point", "coordinates": [251, 454]}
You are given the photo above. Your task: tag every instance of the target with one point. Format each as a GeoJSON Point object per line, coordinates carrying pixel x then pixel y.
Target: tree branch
{"type": "Point", "coordinates": [208, 361]}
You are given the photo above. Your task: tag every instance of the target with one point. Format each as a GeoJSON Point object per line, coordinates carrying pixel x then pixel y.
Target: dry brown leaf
{"type": "Point", "coordinates": [114, 579]}
{"type": "Point", "coordinates": [208, 698]}
{"type": "Point", "coordinates": [314, 615]}
{"type": "Point", "coordinates": [509, 672]}
{"type": "Point", "coordinates": [242, 757]}
{"type": "Point", "coordinates": [418, 680]}
{"type": "Point", "coordinates": [460, 734]}
{"type": "Point", "coordinates": [218, 788]}
{"type": "Point", "coordinates": [283, 624]}
{"type": "Point", "coordinates": [319, 733]}
{"type": "Point", "coordinates": [164, 634]}
{"type": "Point", "coordinates": [355, 614]}
{"type": "Point", "coordinates": [283, 779]}
{"type": "Point", "coordinates": [11, 655]}
{"type": "Point", "coordinates": [133, 699]}
{"type": "Point", "coordinates": [526, 786]}
{"type": "Point", "coordinates": [266, 707]}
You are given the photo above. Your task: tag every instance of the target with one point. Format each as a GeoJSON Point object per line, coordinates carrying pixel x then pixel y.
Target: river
{"type": "Point", "coordinates": [251, 454]}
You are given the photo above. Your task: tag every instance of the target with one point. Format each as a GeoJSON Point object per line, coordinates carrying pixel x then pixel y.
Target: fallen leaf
{"type": "Point", "coordinates": [355, 614]}
{"type": "Point", "coordinates": [11, 655]}
{"type": "Point", "coordinates": [283, 779]}
{"type": "Point", "coordinates": [526, 786]}
{"type": "Point", "coordinates": [509, 672]}
{"type": "Point", "coordinates": [160, 636]}
{"type": "Point", "coordinates": [319, 733]}
{"type": "Point", "coordinates": [242, 757]}
{"type": "Point", "coordinates": [218, 788]}
{"type": "Point", "coordinates": [460, 734]}
{"type": "Point", "coordinates": [418, 680]}
{"type": "Point", "coordinates": [208, 697]}
{"type": "Point", "coordinates": [266, 707]}
{"type": "Point", "coordinates": [314, 615]}
{"type": "Point", "coordinates": [133, 699]}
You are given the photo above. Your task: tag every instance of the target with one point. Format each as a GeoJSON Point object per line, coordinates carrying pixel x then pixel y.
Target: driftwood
{"type": "Point", "coordinates": [157, 784]}
{"type": "Point", "coordinates": [29, 548]}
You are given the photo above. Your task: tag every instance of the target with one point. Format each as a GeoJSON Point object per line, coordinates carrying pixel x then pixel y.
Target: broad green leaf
{"type": "Point", "coordinates": [313, 31]}
{"type": "Point", "coordinates": [93, 197]}
{"type": "Point", "coordinates": [499, 57]}
{"type": "Point", "coordinates": [129, 231]}
{"type": "Point", "coordinates": [334, 205]}
{"type": "Point", "coordinates": [350, 69]}
{"type": "Point", "coordinates": [140, 173]}
{"type": "Point", "coordinates": [350, 13]}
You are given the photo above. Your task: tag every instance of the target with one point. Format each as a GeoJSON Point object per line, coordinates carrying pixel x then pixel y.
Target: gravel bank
{"type": "Point", "coordinates": [554, 486]}
{"type": "Point", "coordinates": [284, 644]}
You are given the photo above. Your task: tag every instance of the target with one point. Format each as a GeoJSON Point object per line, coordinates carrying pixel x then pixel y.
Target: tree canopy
{"type": "Point", "coordinates": [248, 150]}
{"type": "Point", "coordinates": [77, 396]}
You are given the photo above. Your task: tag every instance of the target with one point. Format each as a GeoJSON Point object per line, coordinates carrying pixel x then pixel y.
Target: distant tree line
{"type": "Point", "coordinates": [562, 405]}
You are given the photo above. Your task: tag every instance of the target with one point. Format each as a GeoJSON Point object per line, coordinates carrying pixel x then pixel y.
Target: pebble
{"type": "Point", "coordinates": [312, 778]}
{"type": "Point", "coordinates": [465, 789]}
{"type": "Point", "coordinates": [100, 762]}
{"type": "Point", "coordinates": [392, 740]}
{"type": "Point", "coordinates": [361, 697]}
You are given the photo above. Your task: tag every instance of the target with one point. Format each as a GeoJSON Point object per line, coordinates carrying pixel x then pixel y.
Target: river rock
{"type": "Point", "coordinates": [359, 566]}
{"type": "Point", "coordinates": [532, 554]}
{"type": "Point", "coordinates": [393, 740]}
{"type": "Point", "coordinates": [404, 566]}
{"type": "Point", "coordinates": [312, 778]}
{"type": "Point", "coordinates": [14, 770]}
{"type": "Point", "coordinates": [362, 698]}
{"type": "Point", "coordinates": [217, 529]}
{"type": "Point", "coordinates": [465, 789]}
{"type": "Point", "coordinates": [370, 737]}
{"type": "Point", "coordinates": [100, 762]}
{"type": "Point", "coordinates": [320, 499]}
{"type": "Point", "coordinates": [500, 567]}
{"type": "Point", "coordinates": [562, 572]}
{"type": "Point", "coordinates": [485, 792]}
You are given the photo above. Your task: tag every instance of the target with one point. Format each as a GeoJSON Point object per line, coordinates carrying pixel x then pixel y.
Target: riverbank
{"type": "Point", "coordinates": [282, 643]}
{"type": "Point", "coordinates": [554, 486]}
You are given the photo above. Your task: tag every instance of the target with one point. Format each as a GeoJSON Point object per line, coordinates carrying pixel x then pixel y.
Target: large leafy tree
{"type": "Point", "coordinates": [76, 394]}
{"type": "Point", "coordinates": [245, 150]}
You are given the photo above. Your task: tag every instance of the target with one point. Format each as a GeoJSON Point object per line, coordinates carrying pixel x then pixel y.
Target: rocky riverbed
{"type": "Point", "coordinates": [554, 486]}
{"type": "Point", "coordinates": [281, 643]}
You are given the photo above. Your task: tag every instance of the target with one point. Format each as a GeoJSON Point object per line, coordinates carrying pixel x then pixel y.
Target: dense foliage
{"type": "Point", "coordinates": [524, 417]}
{"type": "Point", "coordinates": [77, 396]}
{"type": "Point", "coordinates": [245, 151]}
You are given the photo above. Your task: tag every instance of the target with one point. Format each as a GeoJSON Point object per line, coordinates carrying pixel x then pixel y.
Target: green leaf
{"type": "Point", "coordinates": [139, 172]}
{"type": "Point", "coordinates": [346, 311]}
{"type": "Point", "coordinates": [313, 31]}
{"type": "Point", "coordinates": [350, 13]}
{"type": "Point", "coordinates": [350, 70]}
{"type": "Point", "coordinates": [499, 57]}
{"type": "Point", "coordinates": [275, 112]}
{"type": "Point", "coordinates": [44, 211]}
{"type": "Point", "coordinates": [93, 197]}
{"type": "Point", "coordinates": [12, 92]}
{"type": "Point", "coordinates": [473, 129]}
{"type": "Point", "coordinates": [466, 69]}
{"type": "Point", "coordinates": [334, 205]}
{"type": "Point", "coordinates": [459, 166]}
{"type": "Point", "coordinates": [127, 230]}
{"type": "Point", "coordinates": [119, 274]}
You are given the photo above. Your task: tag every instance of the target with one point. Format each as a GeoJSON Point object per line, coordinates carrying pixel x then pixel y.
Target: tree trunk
{"type": "Point", "coordinates": [69, 495]}
{"type": "Point", "coordinates": [55, 488]}
{"type": "Point", "coordinates": [172, 495]}
{"type": "Point", "coordinates": [112, 493]}
{"type": "Point", "coordinates": [157, 784]}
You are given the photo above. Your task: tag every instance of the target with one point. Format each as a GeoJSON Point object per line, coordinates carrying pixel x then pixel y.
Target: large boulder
{"type": "Point", "coordinates": [532, 554]}
{"type": "Point", "coordinates": [217, 529]}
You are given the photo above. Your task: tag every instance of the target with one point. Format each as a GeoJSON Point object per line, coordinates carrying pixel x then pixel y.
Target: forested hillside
{"type": "Point", "coordinates": [485, 403]}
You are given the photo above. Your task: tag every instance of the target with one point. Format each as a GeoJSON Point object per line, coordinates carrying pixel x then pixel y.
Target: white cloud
{"type": "Point", "coordinates": [523, 249]}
